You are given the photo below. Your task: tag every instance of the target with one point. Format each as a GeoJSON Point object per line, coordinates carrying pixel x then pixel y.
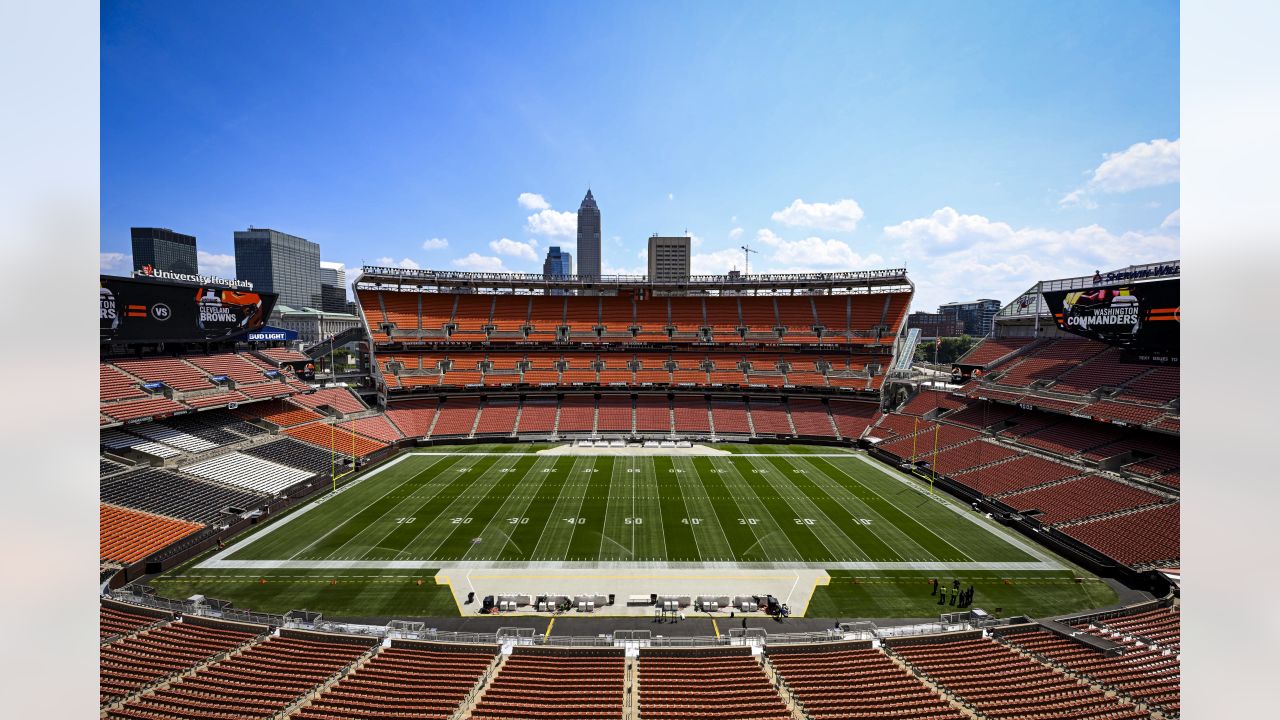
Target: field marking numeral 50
{"type": "Point", "coordinates": [633, 521]}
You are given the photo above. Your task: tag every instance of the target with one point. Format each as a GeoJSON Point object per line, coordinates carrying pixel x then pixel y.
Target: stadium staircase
{"type": "Point", "coordinates": [784, 690]}
{"type": "Point", "coordinates": [434, 417]}
{"type": "Point", "coordinates": [475, 423]}
{"type": "Point", "coordinates": [751, 425]}
{"type": "Point", "coordinates": [519, 412]}
{"type": "Point", "coordinates": [321, 349]}
{"type": "Point", "coordinates": [786, 410]}
{"type": "Point", "coordinates": [1110, 515]}
{"type": "Point", "coordinates": [906, 352]}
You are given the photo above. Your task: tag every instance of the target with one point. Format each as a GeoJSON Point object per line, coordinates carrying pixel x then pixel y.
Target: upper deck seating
{"type": "Point", "coordinates": [991, 349]}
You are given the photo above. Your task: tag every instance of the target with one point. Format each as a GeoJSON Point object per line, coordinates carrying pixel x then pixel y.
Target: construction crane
{"type": "Point", "coordinates": [746, 258]}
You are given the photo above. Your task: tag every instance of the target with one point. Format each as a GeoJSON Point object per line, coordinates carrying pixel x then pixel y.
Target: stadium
{"type": "Point", "coordinates": [737, 496]}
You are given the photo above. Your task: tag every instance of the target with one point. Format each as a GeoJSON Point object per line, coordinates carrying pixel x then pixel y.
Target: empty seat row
{"type": "Point", "coordinates": [163, 492]}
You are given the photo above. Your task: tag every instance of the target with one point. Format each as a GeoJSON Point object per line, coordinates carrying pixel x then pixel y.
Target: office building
{"type": "Point", "coordinates": [164, 249]}
{"type": "Point", "coordinates": [976, 318]}
{"type": "Point", "coordinates": [935, 325]}
{"type": "Point", "coordinates": [589, 237]}
{"type": "Point", "coordinates": [333, 287]}
{"type": "Point", "coordinates": [280, 263]}
{"type": "Point", "coordinates": [558, 263]}
{"type": "Point", "coordinates": [669, 259]}
{"type": "Point", "coordinates": [312, 325]}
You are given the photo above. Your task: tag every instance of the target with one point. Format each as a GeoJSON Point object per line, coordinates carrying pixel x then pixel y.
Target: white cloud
{"type": "Point", "coordinates": [671, 196]}
{"type": "Point", "coordinates": [215, 264]}
{"type": "Point", "coordinates": [953, 257]}
{"type": "Point", "coordinates": [1173, 221]}
{"type": "Point", "coordinates": [533, 201]}
{"type": "Point", "coordinates": [695, 241]}
{"type": "Point", "coordinates": [476, 262]}
{"type": "Point", "coordinates": [405, 263]}
{"type": "Point", "coordinates": [842, 215]}
{"type": "Point", "coordinates": [735, 233]}
{"type": "Point", "coordinates": [812, 254]}
{"type": "Point", "coordinates": [718, 262]}
{"type": "Point", "coordinates": [551, 223]}
{"type": "Point", "coordinates": [435, 244]}
{"type": "Point", "coordinates": [114, 262]}
{"type": "Point", "coordinates": [1141, 165]}
{"type": "Point", "coordinates": [512, 248]}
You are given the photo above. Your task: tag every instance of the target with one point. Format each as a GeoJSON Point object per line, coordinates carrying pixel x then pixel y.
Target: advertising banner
{"type": "Point", "coordinates": [150, 311]}
{"type": "Point", "coordinates": [1142, 319]}
{"type": "Point", "coordinates": [268, 333]}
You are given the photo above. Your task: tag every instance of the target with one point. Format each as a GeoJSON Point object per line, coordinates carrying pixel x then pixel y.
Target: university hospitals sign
{"type": "Point", "coordinates": [149, 271]}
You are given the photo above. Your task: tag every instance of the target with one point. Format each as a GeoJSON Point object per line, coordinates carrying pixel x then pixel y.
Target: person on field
{"type": "Point", "coordinates": [934, 583]}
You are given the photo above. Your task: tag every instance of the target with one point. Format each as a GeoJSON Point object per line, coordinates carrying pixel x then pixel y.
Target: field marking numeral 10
{"type": "Point", "coordinates": [633, 521]}
{"type": "Point", "coordinates": [861, 521]}
{"type": "Point", "coordinates": [747, 521]}
{"type": "Point", "coordinates": [405, 520]}
{"type": "Point", "coordinates": [804, 521]}
{"type": "Point", "coordinates": [576, 521]}
{"type": "Point", "coordinates": [518, 520]}
{"type": "Point", "coordinates": [691, 521]}
{"type": "Point", "coordinates": [461, 521]}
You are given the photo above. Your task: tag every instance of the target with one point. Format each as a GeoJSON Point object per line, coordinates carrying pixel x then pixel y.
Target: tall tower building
{"type": "Point", "coordinates": [164, 249]}
{"type": "Point", "coordinates": [280, 263]}
{"type": "Point", "coordinates": [557, 264]}
{"type": "Point", "coordinates": [589, 238]}
{"type": "Point", "coordinates": [333, 287]}
{"type": "Point", "coordinates": [669, 258]}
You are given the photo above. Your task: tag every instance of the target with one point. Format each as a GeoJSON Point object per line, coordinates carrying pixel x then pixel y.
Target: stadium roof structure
{"type": "Point", "coordinates": [1031, 304]}
{"type": "Point", "coordinates": [860, 281]}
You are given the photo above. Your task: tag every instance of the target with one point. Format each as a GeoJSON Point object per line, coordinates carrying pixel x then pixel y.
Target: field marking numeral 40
{"type": "Point", "coordinates": [461, 521]}
{"type": "Point", "coordinates": [691, 521]}
{"type": "Point", "coordinates": [576, 521]}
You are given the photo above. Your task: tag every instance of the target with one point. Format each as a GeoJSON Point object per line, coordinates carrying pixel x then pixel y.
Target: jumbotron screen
{"type": "Point", "coordinates": [135, 310]}
{"type": "Point", "coordinates": [1142, 319]}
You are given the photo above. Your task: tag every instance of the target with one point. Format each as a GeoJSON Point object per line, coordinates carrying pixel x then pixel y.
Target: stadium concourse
{"type": "Point", "coordinates": [1049, 434]}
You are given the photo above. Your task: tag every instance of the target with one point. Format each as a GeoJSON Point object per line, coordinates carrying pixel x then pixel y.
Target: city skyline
{"type": "Point", "coordinates": [1018, 143]}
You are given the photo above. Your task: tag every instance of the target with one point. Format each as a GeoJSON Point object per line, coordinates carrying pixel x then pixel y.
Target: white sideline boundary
{"type": "Point", "coordinates": [222, 561]}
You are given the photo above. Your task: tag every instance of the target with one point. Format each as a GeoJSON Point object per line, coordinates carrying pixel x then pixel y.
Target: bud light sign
{"type": "Point", "coordinates": [272, 334]}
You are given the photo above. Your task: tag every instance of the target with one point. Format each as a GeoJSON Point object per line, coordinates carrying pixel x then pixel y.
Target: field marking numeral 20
{"type": "Point", "coordinates": [461, 521]}
{"type": "Point", "coordinates": [747, 521]}
{"type": "Point", "coordinates": [804, 521]}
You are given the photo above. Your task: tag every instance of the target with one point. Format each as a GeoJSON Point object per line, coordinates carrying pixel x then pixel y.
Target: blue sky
{"type": "Point", "coordinates": [982, 146]}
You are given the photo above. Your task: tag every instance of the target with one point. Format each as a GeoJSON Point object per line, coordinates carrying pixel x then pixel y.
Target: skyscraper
{"type": "Point", "coordinates": [164, 249]}
{"type": "Point", "coordinates": [333, 287]}
{"type": "Point", "coordinates": [281, 263]}
{"type": "Point", "coordinates": [557, 264]}
{"type": "Point", "coordinates": [588, 238]}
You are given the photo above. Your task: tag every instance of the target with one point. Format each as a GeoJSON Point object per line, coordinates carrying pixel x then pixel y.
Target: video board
{"type": "Point", "coordinates": [136, 310]}
{"type": "Point", "coordinates": [1142, 319]}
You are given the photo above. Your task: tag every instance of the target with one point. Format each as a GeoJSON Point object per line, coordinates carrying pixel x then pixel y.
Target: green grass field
{"type": "Point", "coordinates": [372, 548]}
{"type": "Point", "coordinates": [528, 508]}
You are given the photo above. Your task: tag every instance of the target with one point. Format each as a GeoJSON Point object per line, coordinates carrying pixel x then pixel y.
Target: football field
{"type": "Point", "coordinates": [513, 509]}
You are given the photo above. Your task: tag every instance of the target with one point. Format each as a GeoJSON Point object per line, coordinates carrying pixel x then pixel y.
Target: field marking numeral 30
{"type": "Point", "coordinates": [518, 520]}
